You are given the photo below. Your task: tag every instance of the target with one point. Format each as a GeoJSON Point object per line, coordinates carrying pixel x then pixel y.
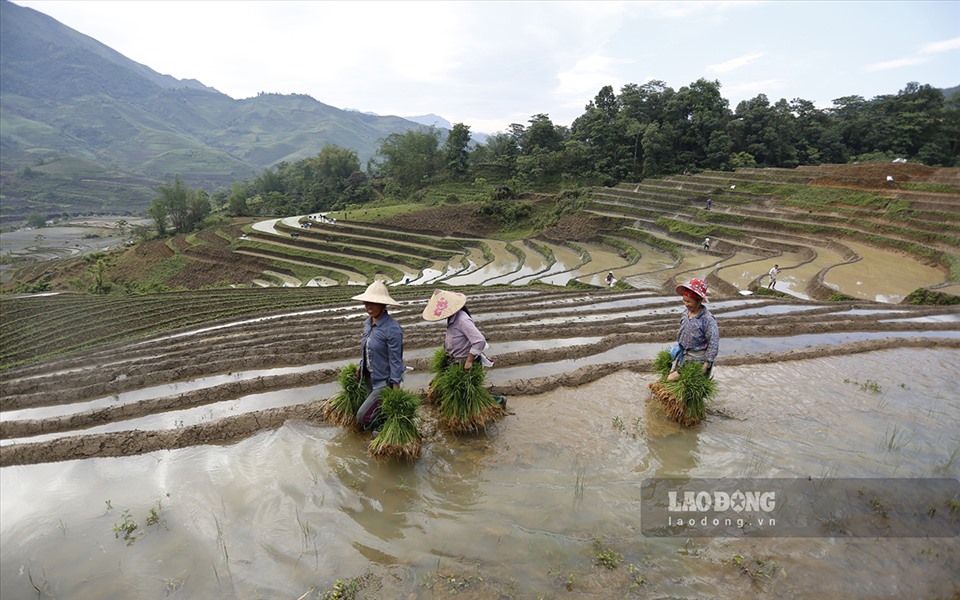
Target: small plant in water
{"type": "Point", "coordinates": [579, 485]}
{"type": "Point", "coordinates": [127, 526]}
{"type": "Point", "coordinates": [878, 507]}
{"type": "Point", "coordinates": [896, 438]}
{"type": "Point", "coordinates": [618, 423]}
{"type": "Point", "coordinates": [636, 579]}
{"type": "Point", "coordinates": [346, 589]}
{"type": "Point", "coordinates": [638, 429]}
{"type": "Point", "coordinates": [607, 557]}
{"type": "Point", "coordinates": [762, 570]}
{"type": "Point", "coordinates": [954, 505]}
{"type": "Point", "coordinates": [153, 517]}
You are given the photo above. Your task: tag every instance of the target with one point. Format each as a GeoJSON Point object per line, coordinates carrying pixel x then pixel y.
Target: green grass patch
{"type": "Point", "coordinates": [938, 188]}
{"type": "Point", "coordinates": [931, 297]}
{"type": "Point", "coordinates": [697, 231]}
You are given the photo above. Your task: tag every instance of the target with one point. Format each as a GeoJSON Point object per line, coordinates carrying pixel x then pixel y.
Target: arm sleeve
{"type": "Point", "coordinates": [713, 340]}
{"type": "Point", "coordinates": [473, 335]}
{"type": "Point", "coordinates": [395, 354]}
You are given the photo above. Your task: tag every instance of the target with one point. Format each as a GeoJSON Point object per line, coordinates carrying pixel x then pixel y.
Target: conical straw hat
{"type": "Point", "coordinates": [443, 304]}
{"type": "Point", "coordinates": [376, 293]}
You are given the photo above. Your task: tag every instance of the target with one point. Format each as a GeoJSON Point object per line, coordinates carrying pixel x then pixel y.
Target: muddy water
{"type": "Point", "coordinates": [870, 278]}
{"type": "Point", "coordinates": [692, 264]}
{"type": "Point", "coordinates": [514, 512]}
{"type": "Point", "coordinates": [429, 274]}
{"type": "Point", "coordinates": [793, 280]}
{"type": "Point", "coordinates": [503, 263]}
{"type": "Point", "coordinates": [565, 259]}
{"type": "Point", "coordinates": [321, 282]}
{"type": "Point", "coordinates": [602, 260]}
{"type": "Point", "coordinates": [533, 263]}
{"type": "Point", "coordinates": [743, 274]}
{"type": "Point", "coordinates": [650, 261]}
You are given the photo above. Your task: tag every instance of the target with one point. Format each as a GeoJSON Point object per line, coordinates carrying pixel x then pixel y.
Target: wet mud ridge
{"type": "Point", "coordinates": [211, 385]}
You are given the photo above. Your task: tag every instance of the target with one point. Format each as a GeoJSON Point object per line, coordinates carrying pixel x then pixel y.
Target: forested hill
{"type": "Point", "coordinates": [94, 130]}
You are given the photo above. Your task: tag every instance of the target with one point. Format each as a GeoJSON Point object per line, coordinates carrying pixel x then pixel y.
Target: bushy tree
{"type": "Point", "coordinates": [455, 151]}
{"type": "Point", "coordinates": [178, 207]}
{"type": "Point", "coordinates": [410, 159]}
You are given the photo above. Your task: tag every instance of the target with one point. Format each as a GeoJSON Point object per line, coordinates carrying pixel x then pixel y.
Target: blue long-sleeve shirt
{"type": "Point", "coordinates": [700, 333]}
{"type": "Point", "coordinates": [381, 351]}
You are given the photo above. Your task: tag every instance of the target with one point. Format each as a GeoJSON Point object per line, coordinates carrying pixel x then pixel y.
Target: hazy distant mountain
{"type": "Point", "coordinates": [431, 120]}
{"type": "Point", "coordinates": [85, 128]}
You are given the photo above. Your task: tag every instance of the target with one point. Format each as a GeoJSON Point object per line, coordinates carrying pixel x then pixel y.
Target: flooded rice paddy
{"type": "Point", "coordinates": [216, 482]}
{"type": "Point", "coordinates": [520, 511]}
{"type": "Point", "coordinates": [870, 277]}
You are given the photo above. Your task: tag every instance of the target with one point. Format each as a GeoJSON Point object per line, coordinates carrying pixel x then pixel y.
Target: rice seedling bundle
{"type": "Point", "coordinates": [684, 399]}
{"type": "Point", "coordinates": [465, 405]}
{"type": "Point", "coordinates": [662, 363]}
{"type": "Point", "coordinates": [398, 436]}
{"type": "Point", "coordinates": [342, 408]}
{"type": "Point", "coordinates": [438, 364]}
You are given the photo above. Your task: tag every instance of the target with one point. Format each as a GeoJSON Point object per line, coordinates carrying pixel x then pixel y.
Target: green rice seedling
{"type": "Point", "coordinates": [685, 399]}
{"type": "Point", "coordinates": [693, 389]}
{"type": "Point", "coordinates": [398, 436]}
{"type": "Point", "coordinates": [440, 361]}
{"type": "Point", "coordinates": [662, 363]}
{"type": "Point", "coordinates": [342, 408]}
{"type": "Point", "coordinates": [465, 405]}
{"type": "Point", "coordinates": [438, 364]}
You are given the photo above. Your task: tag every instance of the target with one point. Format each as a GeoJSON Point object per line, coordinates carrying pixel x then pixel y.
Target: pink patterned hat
{"type": "Point", "coordinates": [695, 285]}
{"type": "Point", "coordinates": [443, 304]}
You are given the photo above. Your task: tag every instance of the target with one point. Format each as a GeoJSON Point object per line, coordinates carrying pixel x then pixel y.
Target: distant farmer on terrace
{"type": "Point", "coordinates": [699, 337]}
{"type": "Point", "coordinates": [381, 351]}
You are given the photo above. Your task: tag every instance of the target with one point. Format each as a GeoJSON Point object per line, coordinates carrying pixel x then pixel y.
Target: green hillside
{"type": "Point", "coordinates": [63, 95]}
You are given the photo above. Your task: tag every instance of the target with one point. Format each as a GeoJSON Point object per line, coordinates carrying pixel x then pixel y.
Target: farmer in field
{"type": "Point", "coordinates": [774, 271]}
{"type": "Point", "coordinates": [458, 386]}
{"type": "Point", "coordinates": [464, 343]}
{"type": "Point", "coordinates": [381, 351]}
{"type": "Point", "coordinates": [699, 336]}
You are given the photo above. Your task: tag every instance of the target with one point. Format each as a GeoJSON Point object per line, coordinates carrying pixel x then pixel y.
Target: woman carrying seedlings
{"type": "Point", "coordinates": [381, 351]}
{"type": "Point", "coordinates": [464, 343]}
{"type": "Point", "coordinates": [699, 337]}
{"type": "Point", "coordinates": [465, 404]}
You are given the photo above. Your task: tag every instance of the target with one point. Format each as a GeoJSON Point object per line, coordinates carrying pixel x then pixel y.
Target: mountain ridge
{"type": "Point", "coordinates": [68, 100]}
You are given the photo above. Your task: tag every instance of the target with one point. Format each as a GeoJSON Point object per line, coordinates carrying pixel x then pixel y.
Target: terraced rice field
{"type": "Point", "coordinates": [198, 416]}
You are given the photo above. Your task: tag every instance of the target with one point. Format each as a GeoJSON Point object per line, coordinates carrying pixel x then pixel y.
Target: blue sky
{"type": "Point", "coordinates": [489, 64]}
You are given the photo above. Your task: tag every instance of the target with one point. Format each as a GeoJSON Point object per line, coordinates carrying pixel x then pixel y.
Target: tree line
{"type": "Point", "coordinates": [643, 131]}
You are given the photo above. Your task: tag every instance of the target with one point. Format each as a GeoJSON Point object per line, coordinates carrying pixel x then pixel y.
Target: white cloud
{"type": "Point", "coordinates": [920, 57]}
{"type": "Point", "coordinates": [938, 47]}
{"type": "Point", "coordinates": [734, 63]}
{"type": "Point", "coordinates": [898, 63]}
